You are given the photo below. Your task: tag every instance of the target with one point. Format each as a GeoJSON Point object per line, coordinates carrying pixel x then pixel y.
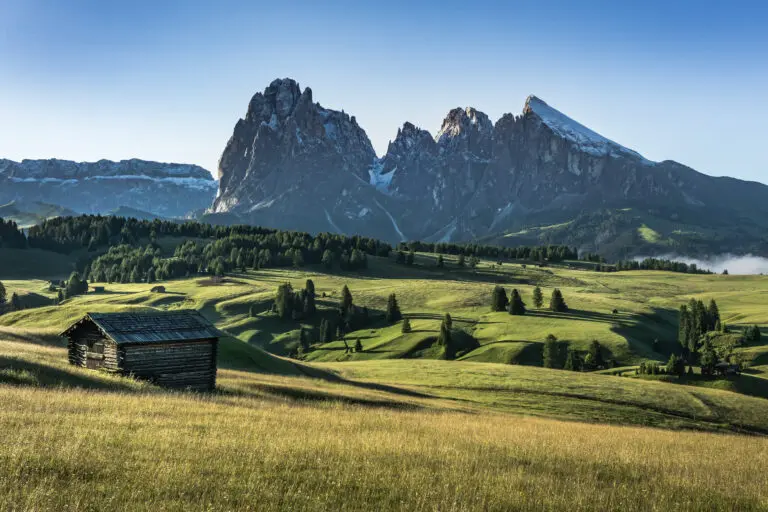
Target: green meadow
{"type": "Point", "coordinates": [394, 426]}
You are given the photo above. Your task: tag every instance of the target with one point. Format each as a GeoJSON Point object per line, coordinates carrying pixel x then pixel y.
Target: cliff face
{"type": "Point", "coordinates": [294, 164]}
{"type": "Point", "coordinates": [168, 190]}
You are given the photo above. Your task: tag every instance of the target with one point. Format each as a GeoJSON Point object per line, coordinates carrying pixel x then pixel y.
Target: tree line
{"type": "Point", "coordinates": [535, 253]}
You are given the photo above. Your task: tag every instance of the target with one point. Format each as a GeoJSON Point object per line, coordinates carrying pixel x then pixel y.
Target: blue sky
{"type": "Point", "coordinates": [167, 81]}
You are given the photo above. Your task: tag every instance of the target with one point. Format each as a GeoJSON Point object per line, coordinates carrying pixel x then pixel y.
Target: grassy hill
{"type": "Point", "coordinates": [393, 427]}
{"type": "Point", "coordinates": [646, 304]}
{"type": "Point", "coordinates": [390, 435]}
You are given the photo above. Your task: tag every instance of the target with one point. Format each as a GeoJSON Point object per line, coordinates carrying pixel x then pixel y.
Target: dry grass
{"type": "Point", "coordinates": [90, 450]}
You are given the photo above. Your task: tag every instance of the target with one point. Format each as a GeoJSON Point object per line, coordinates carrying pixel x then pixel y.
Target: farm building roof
{"type": "Point", "coordinates": [150, 327]}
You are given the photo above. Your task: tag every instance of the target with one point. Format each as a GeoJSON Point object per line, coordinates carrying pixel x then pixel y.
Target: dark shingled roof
{"type": "Point", "coordinates": [151, 327]}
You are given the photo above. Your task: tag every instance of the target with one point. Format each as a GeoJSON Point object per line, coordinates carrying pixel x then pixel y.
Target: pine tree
{"type": "Point", "coordinates": [340, 331]}
{"type": "Point", "coordinates": [150, 275]}
{"type": "Point", "coordinates": [327, 259]}
{"type": "Point", "coordinates": [406, 328]}
{"type": "Point", "coordinates": [462, 262]}
{"type": "Point", "coordinates": [683, 324]}
{"type": "Point", "coordinates": [572, 361]}
{"type": "Point", "coordinates": [551, 353]}
{"type": "Point", "coordinates": [538, 297]}
{"type": "Point", "coordinates": [440, 261]}
{"type": "Point", "coordinates": [708, 358]}
{"type": "Point", "coordinates": [445, 339]}
{"type": "Point", "coordinates": [309, 298]}
{"type": "Point", "coordinates": [358, 345]}
{"type": "Point", "coordinates": [516, 304]}
{"type": "Point", "coordinates": [3, 294]}
{"type": "Point", "coordinates": [556, 302]}
{"type": "Point", "coordinates": [284, 301]}
{"type": "Point", "coordinates": [303, 339]}
{"type": "Point", "coordinates": [346, 300]}
{"type": "Point", "coordinates": [393, 310]}
{"type": "Point", "coordinates": [499, 300]}
{"type": "Point", "coordinates": [596, 354]}
{"type": "Point", "coordinates": [713, 315]}
{"type": "Point", "coordinates": [15, 302]}
{"type": "Point", "coordinates": [675, 365]}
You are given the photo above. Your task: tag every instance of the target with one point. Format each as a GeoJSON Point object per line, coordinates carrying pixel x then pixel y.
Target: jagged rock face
{"type": "Point", "coordinates": [294, 164]}
{"type": "Point", "coordinates": [166, 190]}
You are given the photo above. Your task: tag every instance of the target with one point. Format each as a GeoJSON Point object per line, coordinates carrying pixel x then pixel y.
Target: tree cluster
{"type": "Point", "coordinates": [661, 264]}
{"type": "Point", "coordinates": [11, 237]}
{"type": "Point", "coordinates": [534, 253]}
{"type": "Point", "coordinates": [694, 321]}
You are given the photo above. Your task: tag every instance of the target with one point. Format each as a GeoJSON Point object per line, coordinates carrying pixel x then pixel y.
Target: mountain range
{"type": "Point", "coordinates": [531, 178]}
{"type": "Point", "coordinates": [164, 190]}
{"type": "Point", "coordinates": [539, 176]}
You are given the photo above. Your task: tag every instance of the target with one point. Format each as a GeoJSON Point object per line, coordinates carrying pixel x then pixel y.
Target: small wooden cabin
{"type": "Point", "coordinates": [175, 349]}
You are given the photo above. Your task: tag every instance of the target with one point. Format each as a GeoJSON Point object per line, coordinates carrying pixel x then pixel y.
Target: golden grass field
{"type": "Point", "coordinates": [377, 430]}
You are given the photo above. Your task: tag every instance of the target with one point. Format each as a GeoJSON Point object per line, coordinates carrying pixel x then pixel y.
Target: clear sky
{"type": "Point", "coordinates": [167, 80]}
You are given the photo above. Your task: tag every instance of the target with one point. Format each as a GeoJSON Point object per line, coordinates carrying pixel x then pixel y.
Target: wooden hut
{"type": "Point", "coordinates": [175, 349]}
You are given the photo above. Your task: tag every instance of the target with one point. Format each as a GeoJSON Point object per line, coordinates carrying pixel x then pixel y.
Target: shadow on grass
{"type": "Point", "coordinates": [46, 340]}
{"type": "Point", "coordinates": [25, 373]}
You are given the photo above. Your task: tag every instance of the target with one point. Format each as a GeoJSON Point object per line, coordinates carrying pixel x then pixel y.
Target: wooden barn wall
{"type": "Point", "coordinates": [175, 365]}
{"type": "Point", "coordinates": [78, 353]}
{"type": "Point", "coordinates": [83, 338]}
{"type": "Point", "coordinates": [110, 355]}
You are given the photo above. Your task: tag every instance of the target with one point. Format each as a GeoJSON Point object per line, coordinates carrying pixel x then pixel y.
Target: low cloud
{"type": "Point", "coordinates": [734, 263]}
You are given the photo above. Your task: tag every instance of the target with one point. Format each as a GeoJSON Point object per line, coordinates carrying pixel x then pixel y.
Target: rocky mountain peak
{"type": "Point", "coordinates": [461, 121]}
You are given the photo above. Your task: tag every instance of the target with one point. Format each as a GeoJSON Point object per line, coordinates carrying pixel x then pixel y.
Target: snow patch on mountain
{"type": "Point", "coordinates": [379, 179]}
{"type": "Point", "coordinates": [587, 140]}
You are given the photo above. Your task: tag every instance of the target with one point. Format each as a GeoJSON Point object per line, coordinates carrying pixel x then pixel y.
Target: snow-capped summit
{"type": "Point", "coordinates": [586, 139]}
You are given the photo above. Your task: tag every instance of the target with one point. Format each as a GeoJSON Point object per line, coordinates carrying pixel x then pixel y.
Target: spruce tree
{"type": "Point", "coordinates": [15, 302]}
{"type": "Point", "coordinates": [284, 301]}
{"type": "Point", "coordinates": [346, 300]}
{"type": "Point", "coordinates": [556, 302]}
{"type": "Point", "coordinates": [596, 354]}
{"type": "Point", "coordinates": [358, 345]}
{"type": "Point", "coordinates": [499, 300]}
{"type": "Point", "coordinates": [572, 361]}
{"type": "Point", "coordinates": [445, 339]}
{"type": "Point", "coordinates": [327, 259]}
{"type": "Point", "coordinates": [675, 365]}
{"type": "Point", "coordinates": [713, 315]}
{"type": "Point", "coordinates": [683, 324]}
{"type": "Point", "coordinates": [447, 320]}
{"type": "Point", "coordinates": [406, 328]}
{"type": "Point", "coordinates": [309, 298]}
{"type": "Point", "coordinates": [708, 358]}
{"type": "Point", "coordinates": [440, 261]}
{"type": "Point", "coordinates": [3, 294]}
{"type": "Point", "coordinates": [516, 304]}
{"type": "Point", "coordinates": [538, 297]}
{"type": "Point", "coordinates": [303, 339]}
{"type": "Point", "coordinates": [551, 353]}
{"type": "Point", "coordinates": [393, 310]}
